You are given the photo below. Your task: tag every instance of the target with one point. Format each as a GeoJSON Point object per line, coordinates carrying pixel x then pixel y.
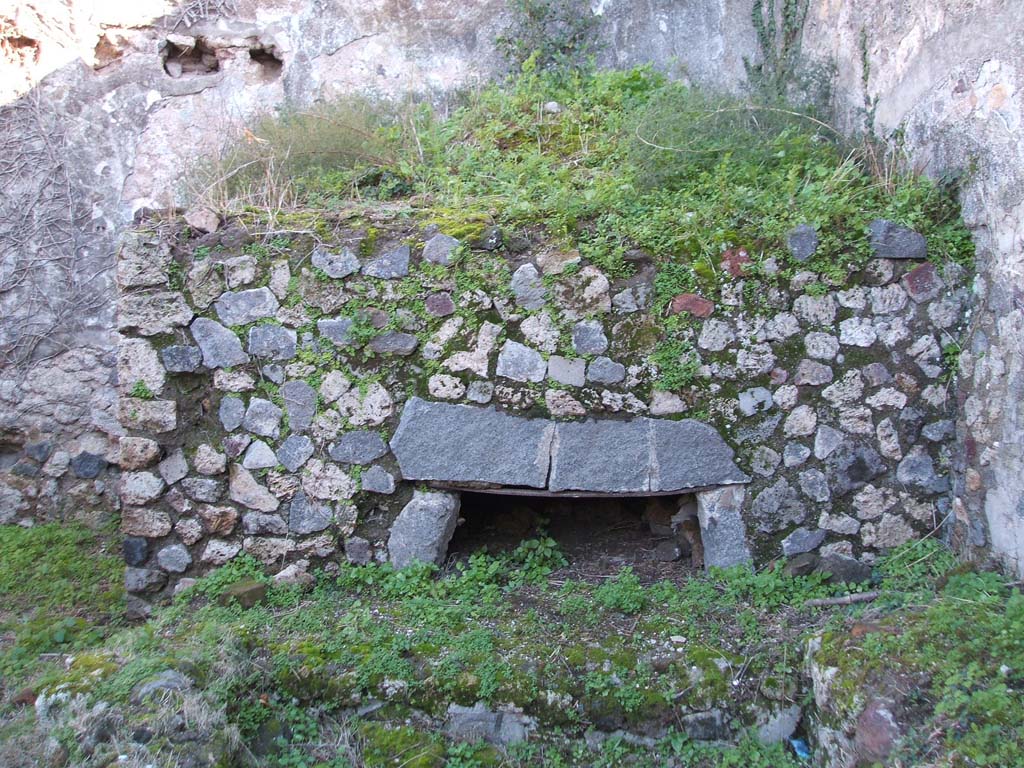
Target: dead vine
{"type": "Point", "coordinates": [45, 293]}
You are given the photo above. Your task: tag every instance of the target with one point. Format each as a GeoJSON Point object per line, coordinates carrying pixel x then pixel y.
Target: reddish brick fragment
{"type": "Point", "coordinates": [440, 304]}
{"type": "Point", "coordinates": [696, 305]}
{"type": "Point", "coordinates": [735, 260]}
{"type": "Point", "coordinates": [923, 282]}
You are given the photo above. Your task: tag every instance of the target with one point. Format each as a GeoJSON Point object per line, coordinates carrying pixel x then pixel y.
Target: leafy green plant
{"type": "Point", "coordinates": [778, 36]}
{"type": "Point", "coordinates": [914, 567]}
{"type": "Point", "coordinates": [677, 363]}
{"type": "Point", "coordinates": [623, 593]}
{"type": "Point", "coordinates": [534, 560]}
{"type": "Point", "coordinates": [549, 35]}
{"type": "Point", "coordinates": [142, 391]}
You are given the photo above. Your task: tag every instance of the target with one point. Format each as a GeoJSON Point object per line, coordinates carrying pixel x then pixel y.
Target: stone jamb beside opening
{"type": "Point", "coordinates": [461, 447]}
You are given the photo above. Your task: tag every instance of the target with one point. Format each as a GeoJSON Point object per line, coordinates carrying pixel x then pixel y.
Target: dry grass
{"type": "Point", "coordinates": [272, 163]}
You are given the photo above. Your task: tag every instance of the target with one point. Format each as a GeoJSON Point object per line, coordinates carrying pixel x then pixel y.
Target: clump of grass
{"type": "Point", "coordinates": [318, 156]}
{"type": "Point", "coordinates": [628, 161]}
{"type": "Point", "coordinates": [61, 588]}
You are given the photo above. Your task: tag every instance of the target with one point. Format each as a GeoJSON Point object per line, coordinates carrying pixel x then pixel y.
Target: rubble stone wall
{"type": "Point", "coordinates": [262, 389]}
{"type": "Point", "coordinates": [109, 127]}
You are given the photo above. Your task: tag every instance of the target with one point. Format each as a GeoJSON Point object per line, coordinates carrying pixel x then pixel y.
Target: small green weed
{"type": "Point", "coordinates": [142, 391]}
{"type": "Point", "coordinates": [623, 593]}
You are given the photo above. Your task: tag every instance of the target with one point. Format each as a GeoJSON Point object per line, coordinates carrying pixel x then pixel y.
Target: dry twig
{"type": "Point", "coordinates": [859, 597]}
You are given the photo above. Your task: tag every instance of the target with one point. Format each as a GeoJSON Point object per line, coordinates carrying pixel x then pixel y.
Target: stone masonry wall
{"type": "Point", "coordinates": [111, 129]}
{"type": "Point", "coordinates": [262, 379]}
{"type": "Point", "coordinates": [943, 80]}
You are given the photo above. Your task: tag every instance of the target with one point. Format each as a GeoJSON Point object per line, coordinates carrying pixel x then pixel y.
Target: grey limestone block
{"type": "Point", "coordinates": [722, 531]}
{"type": "Point", "coordinates": [390, 265]}
{"type": "Point", "coordinates": [336, 265]}
{"type": "Point", "coordinates": [243, 307]}
{"type": "Point", "coordinates": [220, 347]}
{"type": "Point", "coordinates": [359, 447]}
{"type": "Point", "coordinates": [423, 529]}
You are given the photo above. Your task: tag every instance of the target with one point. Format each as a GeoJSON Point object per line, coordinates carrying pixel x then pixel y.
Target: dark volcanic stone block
{"type": "Point", "coordinates": [464, 444]}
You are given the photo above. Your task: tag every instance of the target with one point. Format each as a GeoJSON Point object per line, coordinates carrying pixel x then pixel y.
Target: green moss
{"type": "Point", "coordinates": [63, 584]}
{"type": "Point", "coordinates": [386, 747]}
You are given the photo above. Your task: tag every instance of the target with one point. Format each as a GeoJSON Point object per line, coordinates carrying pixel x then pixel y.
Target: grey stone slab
{"type": "Point", "coordinates": [892, 241]}
{"type": "Point", "coordinates": [394, 343]}
{"type": "Point", "coordinates": [144, 580]}
{"type": "Point", "coordinates": [795, 454]}
{"type": "Point", "coordinates": [273, 372]}
{"type": "Point", "coordinates": [465, 444]}
{"type": "Point", "coordinates": [826, 441]}
{"type": "Point", "coordinates": [440, 304]}
{"type": "Point", "coordinates": [135, 550]}
{"type": "Point", "coordinates": [604, 370]}
{"type": "Point", "coordinates": [777, 507]}
{"type": "Point", "coordinates": [378, 480]}
{"type": "Point", "coordinates": [602, 456]}
{"type": "Point", "coordinates": [520, 363]}
{"type": "Point", "coordinates": [263, 418]}
{"type": "Point", "coordinates": [802, 540]}
{"type": "Point", "coordinates": [243, 307]}
{"type": "Point", "coordinates": [300, 402]}
{"type": "Point", "coordinates": [478, 723]}
{"type": "Point", "coordinates": [88, 465]}
{"type": "Point", "coordinates": [814, 484]}
{"type": "Point", "coordinates": [569, 371]}
{"type": "Point", "coordinates": [272, 341]}
{"type": "Point", "coordinates": [423, 529]}
{"type": "Point", "coordinates": [181, 358]}
{"type": "Point", "coordinates": [938, 431]}
{"type": "Point", "coordinates": [690, 454]}
{"type": "Point", "coordinates": [294, 452]}
{"type": "Point", "coordinates": [259, 455]}
{"type": "Point", "coordinates": [390, 265]}
{"type": "Point", "coordinates": [439, 248]}
{"type": "Point", "coordinates": [263, 524]}
{"type": "Point", "coordinates": [588, 338]}
{"type": "Point", "coordinates": [231, 412]}
{"type": "Point", "coordinates": [175, 467]}
{"type": "Point", "coordinates": [336, 265]}
{"type": "Point", "coordinates": [360, 447]}
{"type": "Point", "coordinates": [917, 470]}
{"type": "Point", "coordinates": [802, 242]}
{"type": "Point", "coordinates": [338, 330]}
{"type": "Point", "coordinates": [220, 347]}
{"type": "Point", "coordinates": [204, 489]}
{"type": "Point", "coordinates": [358, 550]}
{"type": "Point", "coordinates": [852, 466]}
{"type": "Point", "coordinates": [722, 531]}
{"type": "Point", "coordinates": [813, 373]}
{"type": "Point", "coordinates": [528, 287]}
{"type": "Point", "coordinates": [306, 515]}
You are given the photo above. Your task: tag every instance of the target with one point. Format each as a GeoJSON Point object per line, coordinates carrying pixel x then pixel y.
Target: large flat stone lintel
{"type": "Point", "coordinates": [465, 444]}
{"type": "Point", "coordinates": [603, 456]}
{"type": "Point", "coordinates": [481, 448]}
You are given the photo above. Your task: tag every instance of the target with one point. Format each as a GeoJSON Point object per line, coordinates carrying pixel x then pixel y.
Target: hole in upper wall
{"type": "Point", "coordinates": [110, 47]}
{"type": "Point", "coordinates": [270, 63]}
{"type": "Point", "coordinates": [193, 58]}
{"type": "Point", "coordinates": [19, 49]}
